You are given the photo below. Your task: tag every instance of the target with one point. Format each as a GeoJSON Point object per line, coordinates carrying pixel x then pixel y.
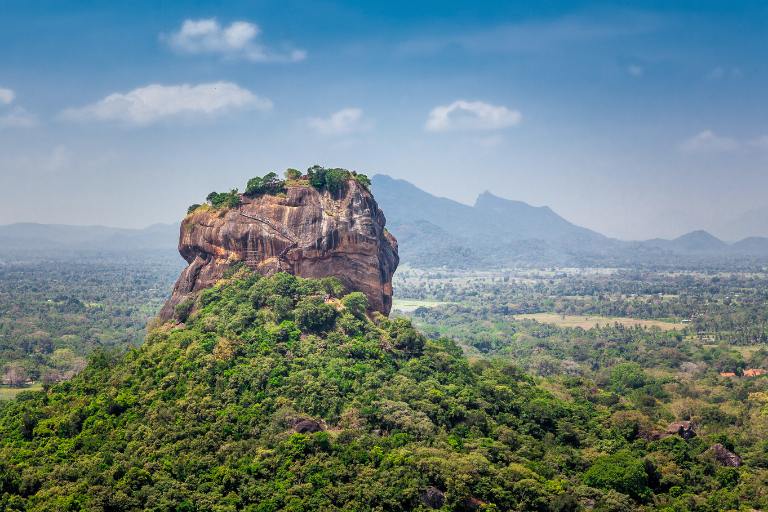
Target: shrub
{"type": "Point", "coordinates": [192, 208]}
{"type": "Point", "coordinates": [183, 309]}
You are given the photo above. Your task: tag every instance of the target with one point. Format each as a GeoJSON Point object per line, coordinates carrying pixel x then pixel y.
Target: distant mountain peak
{"type": "Point", "coordinates": [700, 236]}
{"type": "Point", "coordinates": [489, 199]}
{"type": "Point", "coordinates": [698, 233]}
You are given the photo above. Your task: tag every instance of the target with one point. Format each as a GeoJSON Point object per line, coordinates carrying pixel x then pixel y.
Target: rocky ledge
{"type": "Point", "coordinates": [304, 231]}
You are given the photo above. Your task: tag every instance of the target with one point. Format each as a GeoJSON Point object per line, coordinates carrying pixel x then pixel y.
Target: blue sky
{"type": "Point", "coordinates": [636, 119]}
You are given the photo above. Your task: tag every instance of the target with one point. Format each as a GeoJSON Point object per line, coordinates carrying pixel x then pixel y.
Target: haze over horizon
{"type": "Point", "coordinates": [144, 109]}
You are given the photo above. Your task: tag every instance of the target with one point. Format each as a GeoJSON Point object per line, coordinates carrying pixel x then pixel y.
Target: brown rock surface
{"type": "Point", "coordinates": [684, 429]}
{"type": "Point", "coordinates": [305, 232]}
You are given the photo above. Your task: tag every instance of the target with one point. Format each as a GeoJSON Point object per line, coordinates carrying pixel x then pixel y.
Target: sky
{"type": "Point", "coordinates": [636, 119]}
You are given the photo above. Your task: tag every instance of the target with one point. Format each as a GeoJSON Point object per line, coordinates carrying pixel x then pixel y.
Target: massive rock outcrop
{"type": "Point", "coordinates": [306, 232]}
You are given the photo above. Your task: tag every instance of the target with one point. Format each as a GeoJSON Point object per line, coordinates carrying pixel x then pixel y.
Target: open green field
{"type": "Point", "coordinates": [410, 305]}
{"type": "Point", "coordinates": [7, 393]}
{"type": "Point", "coordinates": [588, 322]}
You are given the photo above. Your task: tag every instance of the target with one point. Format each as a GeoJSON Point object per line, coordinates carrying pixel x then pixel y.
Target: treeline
{"type": "Point", "coordinates": [321, 178]}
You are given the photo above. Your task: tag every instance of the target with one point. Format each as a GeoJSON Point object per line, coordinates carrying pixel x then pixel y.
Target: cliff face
{"type": "Point", "coordinates": [305, 232]}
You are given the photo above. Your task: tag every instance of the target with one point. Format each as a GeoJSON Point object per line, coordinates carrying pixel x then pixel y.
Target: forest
{"type": "Point", "coordinates": [283, 394]}
{"type": "Point", "coordinates": [54, 312]}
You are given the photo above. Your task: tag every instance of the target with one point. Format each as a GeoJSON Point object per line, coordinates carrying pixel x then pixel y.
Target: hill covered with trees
{"type": "Point", "coordinates": [281, 393]}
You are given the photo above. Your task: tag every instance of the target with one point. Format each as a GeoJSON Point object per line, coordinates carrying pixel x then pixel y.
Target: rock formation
{"type": "Point", "coordinates": [684, 429]}
{"type": "Point", "coordinates": [724, 456]}
{"type": "Point", "coordinates": [306, 232]}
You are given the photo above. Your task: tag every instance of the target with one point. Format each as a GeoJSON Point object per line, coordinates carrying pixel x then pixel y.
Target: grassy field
{"type": "Point", "coordinates": [7, 393]}
{"type": "Point", "coordinates": [588, 322]}
{"type": "Point", "coordinates": [410, 305]}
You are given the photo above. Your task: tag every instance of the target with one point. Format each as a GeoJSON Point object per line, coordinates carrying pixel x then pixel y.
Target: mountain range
{"type": "Point", "coordinates": [495, 231]}
{"type": "Point", "coordinates": [61, 237]}
{"type": "Point", "coordinates": [436, 231]}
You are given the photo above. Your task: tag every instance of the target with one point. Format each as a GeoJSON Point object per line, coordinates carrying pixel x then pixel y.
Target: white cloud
{"type": "Point", "coordinates": [238, 40]}
{"type": "Point", "coordinates": [471, 115]}
{"type": "Point", "coordinates": [345, 121]}
{"type": "Point", "coordinates": [6, 96]}
{"type": "Point", "coordinates": [636, 70]}
{"type": "Point", "coordinates": [709, 142]}
{"type": "Point", "coordinates": [17, 118]}
{"type": "Point", "coordinates": [153, 103]}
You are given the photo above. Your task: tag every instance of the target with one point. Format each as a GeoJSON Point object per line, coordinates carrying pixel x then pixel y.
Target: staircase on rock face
{"type": "Point", "coordinates": [283, 231]}
{"type": "Point", "coordinates": [252, 253]}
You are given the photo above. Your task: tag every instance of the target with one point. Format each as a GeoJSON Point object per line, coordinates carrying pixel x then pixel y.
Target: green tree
{"type": "Point", "coordinates": [363, 180]}
{"type": "Point", "coordinates": [626, 376]}
{"type": "Point", "coordinates": [229, 199]}
{"type": "Point", "coordinates": [336, 180]}
{"type": "Point", "coordinates": [356, 303]}
{"type": "Point", "coordinates": [314, 315]}
{"type": "Point", "coordinates": [622, 472]}
{"type": "Point", "coordinates": [292, 174]}
{"type": "Point", "coordinates": [267, 184]}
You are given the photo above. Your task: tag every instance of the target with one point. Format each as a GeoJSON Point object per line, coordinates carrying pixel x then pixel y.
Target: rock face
{"type": "Point", "coordinates": [305, 232]}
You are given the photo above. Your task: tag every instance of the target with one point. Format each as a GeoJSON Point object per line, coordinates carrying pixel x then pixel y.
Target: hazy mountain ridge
{"type": "Point", "coordinates": [436, 231]}
{"type": "Point", "coordinates": [498, 231]}
{"type": "Point", "coordinates": [34, 236]}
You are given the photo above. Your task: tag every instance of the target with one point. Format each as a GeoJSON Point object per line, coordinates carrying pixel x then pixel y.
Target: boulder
{"type": "Point", "coordinates": [724, 456]}
{"type": "Point", "coordinates": [433, 497]}
{"type": "Point", "coordinates": [307, 426]}
{"type": "Point", "coordinates": [684, 429]}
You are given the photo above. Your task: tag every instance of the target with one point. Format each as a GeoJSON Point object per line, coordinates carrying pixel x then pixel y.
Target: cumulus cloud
{"type": "Point", "coordinates": [238, 40]}
{"type": "Point", "coordinates": [471, 115]}
{"type": "Point", "coordinates": [17, 118]}
{"type": "Point", "coordinates": [6, 96]}
{"type": "Point", "coordinates": [345, 121]}
{"type": "Point", "coordinates": [153, 103]}
{"type": "Point", "coordinates": [709, 142]}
